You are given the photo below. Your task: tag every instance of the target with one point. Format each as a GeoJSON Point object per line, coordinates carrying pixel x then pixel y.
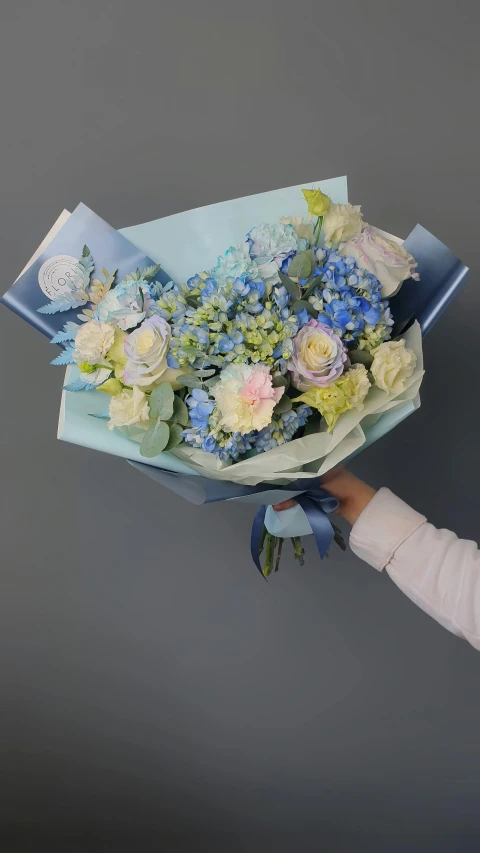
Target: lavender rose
{"type": "Point", "coordinates": [319, 357]}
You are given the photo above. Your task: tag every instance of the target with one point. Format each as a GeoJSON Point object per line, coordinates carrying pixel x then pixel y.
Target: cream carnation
{"type": "Point", "coordinates": [92, 342]}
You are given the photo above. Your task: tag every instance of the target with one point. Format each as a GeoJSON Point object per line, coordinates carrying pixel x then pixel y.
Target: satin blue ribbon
{"type": "Point", "coordinates": [317, 504]}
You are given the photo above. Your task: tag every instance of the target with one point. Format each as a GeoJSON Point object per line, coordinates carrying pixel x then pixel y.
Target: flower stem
{"type": "Point", "coordinates": [270, 542]}
{"type": "Point", "coordinates": [279, 554]}
{"type": "Point", "coordinates": [317, 230]}
{"type": "Point", "coordinates": [298, 549]}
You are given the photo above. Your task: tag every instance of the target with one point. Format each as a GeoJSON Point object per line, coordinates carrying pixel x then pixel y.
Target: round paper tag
{"type": "Point", "coordinates": [57, 275]}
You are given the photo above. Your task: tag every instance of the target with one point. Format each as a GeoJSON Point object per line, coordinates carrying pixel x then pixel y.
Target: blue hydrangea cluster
{"type": "Point", "coordinates": [206, 434]}
{"type": "Point", "coordinates": [234, 320]}
{"type": "Point", "coordinates": [349, 300]}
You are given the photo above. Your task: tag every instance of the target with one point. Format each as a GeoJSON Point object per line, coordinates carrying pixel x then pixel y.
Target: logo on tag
{"type": "Point", "coordinates": [57, 275]}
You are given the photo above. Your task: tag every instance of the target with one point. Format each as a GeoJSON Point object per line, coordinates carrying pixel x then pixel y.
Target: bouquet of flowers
{"type": "Point", "coordinates": [267, 368]}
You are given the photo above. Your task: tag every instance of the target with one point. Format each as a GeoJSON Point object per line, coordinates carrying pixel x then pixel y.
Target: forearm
{"type": "Point", "coordinates": [435, 569]}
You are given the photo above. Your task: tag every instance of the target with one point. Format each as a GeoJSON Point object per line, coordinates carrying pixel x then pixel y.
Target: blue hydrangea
{"type": "Point", "coordinates": [206, 434]}
{"type": "Point", "coordinates": [349, 299]}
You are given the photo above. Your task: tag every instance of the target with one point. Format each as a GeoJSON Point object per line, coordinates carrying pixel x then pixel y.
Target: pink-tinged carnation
{"type": "Point", "coordinates": [245, 397]}
{"type": "Point", "coordinates": [319, 357]}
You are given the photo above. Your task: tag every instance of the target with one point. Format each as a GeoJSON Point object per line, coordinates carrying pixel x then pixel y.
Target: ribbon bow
{"type": "Point", "coordinates": [317, 504]}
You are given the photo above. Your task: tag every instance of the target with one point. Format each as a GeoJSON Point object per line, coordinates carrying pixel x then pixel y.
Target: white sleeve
{"type": "Point", "coordinates": [438, 571]}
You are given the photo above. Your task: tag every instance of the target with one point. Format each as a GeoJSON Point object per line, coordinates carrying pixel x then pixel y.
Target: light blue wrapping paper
{"type": "Point", "coordinates": [189, 242]}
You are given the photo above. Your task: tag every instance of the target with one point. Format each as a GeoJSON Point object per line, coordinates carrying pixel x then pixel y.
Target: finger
{"type": "Point", "coordinates": [284, 505]}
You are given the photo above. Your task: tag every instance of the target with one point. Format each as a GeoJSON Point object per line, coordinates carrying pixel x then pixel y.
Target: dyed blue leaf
{"type": "Point", "coordinates": [65, 357]}
{"type": "Point", "coordinates": [102, 416]}
{"type": "Point", "coordinates": [80, 385]}
{"type": "Point", "coordinates": [55, 307]}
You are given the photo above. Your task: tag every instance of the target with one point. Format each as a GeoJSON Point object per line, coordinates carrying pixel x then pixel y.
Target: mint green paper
{"type": "Point", "coordinates": [184, 244]}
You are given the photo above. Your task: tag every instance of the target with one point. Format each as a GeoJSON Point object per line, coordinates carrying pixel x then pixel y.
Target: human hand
{"type": "Point", "coordinates": [353, 494]}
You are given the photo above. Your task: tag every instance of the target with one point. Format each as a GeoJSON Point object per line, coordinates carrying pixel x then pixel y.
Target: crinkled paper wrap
{"type": "Point", "coordinates": [314, 454]}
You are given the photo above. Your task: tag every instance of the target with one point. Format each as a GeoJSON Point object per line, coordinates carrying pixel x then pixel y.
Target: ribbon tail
{"type": "Point", "coordinates": [257, 528]}
{"type": "Point", "coordinates": [319, 522]}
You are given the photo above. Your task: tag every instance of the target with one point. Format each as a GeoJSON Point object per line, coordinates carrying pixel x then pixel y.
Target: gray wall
{"type": "Point", "coordinates": [157, 695]}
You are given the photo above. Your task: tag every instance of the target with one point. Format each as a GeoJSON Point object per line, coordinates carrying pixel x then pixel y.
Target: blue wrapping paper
{"type": "Point", "coordinates": [442, 275]}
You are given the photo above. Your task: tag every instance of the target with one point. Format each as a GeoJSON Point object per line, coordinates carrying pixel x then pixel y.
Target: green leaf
{"type": "Point", "coordinates": [315, 282]}
{"type": "Point", "coordinates": [161, 401]}
{"type": "Point", "coordinates": [301, 265]}
{"type": "Point", "coordinates": [192, 301]}
{"type": "Point", "coordinates": [302, 303]}
{"type": "Point", "coordinates": [283, 405]}
{"type": "Point", "coordinates": [180, 411]}
{"type": "Point", "coordinates": [279, 380]}
{"type": "Point", "coordinates": [290, 286]}
{"type": "Point", "coordinates": [361, 356]}
{"type": "Point", "coordinates": [86, 251]}
{"type": "Point", "coordinates": [214, 359]}
{"type": "Point", "coordinates": [189, 380]}
{"type": "Point", "coordinates": [175, 436]}
{"type": "Point", "coordinates": [155, 439]}
{"type": "Point", "coordinates": [204, 374]}
{"type": "Point", "coordinates": [211, 382]}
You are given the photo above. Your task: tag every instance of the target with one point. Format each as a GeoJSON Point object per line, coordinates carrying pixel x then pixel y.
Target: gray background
{"type": "Point", "coordinates": [157, 695]}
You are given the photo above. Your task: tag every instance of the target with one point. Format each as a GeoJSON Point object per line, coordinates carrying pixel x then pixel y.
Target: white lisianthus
{"type": "Point", "coordinates": [128, 408]}
{"type": "Point", "coordinates": [387, 260]}
{"type": "Point", "coordinates": [304, 230]}
{"type": "Point", "coordinates": [245, 397]}
{"type": "Point", "coordinates": [92, 342]}
{"type": "Point", "coordinates": [392, 365]}
{"type": "Point", "coordinates": [341, 223]}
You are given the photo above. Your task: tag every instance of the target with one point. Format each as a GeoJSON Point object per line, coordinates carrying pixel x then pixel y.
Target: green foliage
{"type": "Point", "coordinates": [180, 411]}
{"type": "Point", "coordinates": [279, 380]}
{"type": "Point", "coordinates": [361, 356]}
{"type": "Point", "coordinates": [301, 265]}
{"type": "Point", "coordinates": [161, 401]}
{"type": "Point", "coordinates": [175, 437]}
{"type": "Point", "coordinates": [302, 303]}
{"type": "Point", "coordinates": [189, 380]}
{"type": "Point", "coordinates": [283, 405]}
{"type": "Point", "coordinates": [155, 439]}
{"type": "Point", "coordinates": [293, 289]}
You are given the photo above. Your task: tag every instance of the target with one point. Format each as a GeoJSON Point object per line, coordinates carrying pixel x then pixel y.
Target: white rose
{"type": "Point", "coordinates": [392, 365]}
{"type": "Point", "coordinates": [128, 408]}
{"type": "Point", "coordinates": [146, 351]}
{"type": "Point", "coordinates": [387, 260]}
{"type": "Point", "coordinates": [92, 342]}
{"type": "Point", "coordinates": [341, 223]}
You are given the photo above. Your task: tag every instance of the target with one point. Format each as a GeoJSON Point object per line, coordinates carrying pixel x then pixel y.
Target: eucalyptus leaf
{"type": "Point", "coordinates": [301, 265]}
{"type": "Point", "coordinates": [214, 359]}
{"type": "Point", "coordinates": [175, 437]}
{"type": "Point", "coordinates": [302, 303]}
{"type": "Point", "coordinates": [180, 411]}
{"type": "Point", "coordinates": [189, 380]}
{"type": "Point", "coordinates": [161, 401]}
{"type": "Point", "coordinates": [155, 439]}
{"type": "Point", "coordinates": [283, 405]}
{"type": "Point", "coordinates": [211, 382]}
{"type": "Point", "coordinates": [361, 356]}
{"type": "Point", "coordinates": [290, 286]}
{"type": "Point", "coordinates": [279, 380]}
{"type": "Point", "coordinates": [204, 374]}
